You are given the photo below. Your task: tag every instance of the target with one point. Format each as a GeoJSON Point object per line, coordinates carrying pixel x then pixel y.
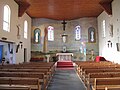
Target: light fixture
{"type": "Point", "coordinates": [109, 43]}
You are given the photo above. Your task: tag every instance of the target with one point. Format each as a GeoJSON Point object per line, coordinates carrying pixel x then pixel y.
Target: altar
{"type": "Point", "coordinates": [64, 56]}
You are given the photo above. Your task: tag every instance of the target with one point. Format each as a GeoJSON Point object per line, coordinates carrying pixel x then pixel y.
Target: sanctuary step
{"type": "Point", "coordinates": [64, 64]}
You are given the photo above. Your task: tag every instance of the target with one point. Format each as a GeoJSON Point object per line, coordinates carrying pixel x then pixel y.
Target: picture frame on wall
{"type": "Point", "coordinates": [91, 35]}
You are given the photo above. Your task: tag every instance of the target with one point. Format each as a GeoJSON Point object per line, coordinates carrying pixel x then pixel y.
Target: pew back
{"type": "Point", "coordinates": [34, 83]}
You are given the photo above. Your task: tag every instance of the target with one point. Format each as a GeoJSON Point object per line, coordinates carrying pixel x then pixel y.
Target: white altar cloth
{"type": "Point", "coordinates": [64, 56]}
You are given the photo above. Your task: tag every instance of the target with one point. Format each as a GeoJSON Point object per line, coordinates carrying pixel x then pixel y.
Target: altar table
{"type": "Point", "coordinates": [64, 56]}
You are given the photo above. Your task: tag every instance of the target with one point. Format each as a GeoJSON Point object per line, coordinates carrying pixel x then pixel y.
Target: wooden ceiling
{"type": "Point", "coordinates": [63, 9]}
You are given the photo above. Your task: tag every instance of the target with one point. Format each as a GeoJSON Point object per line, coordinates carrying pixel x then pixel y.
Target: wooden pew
{"type": "Point", "coordinates": [46, 72]}
{"type": "Point", "coordinates": [86, 73]}
{"type": "Point", "coordinates": [49, 67]}
{"type": "Point", "coordinates": [34, 83]}
{"type": "Point", "coordinates": [92, 76]}
{"type": "Point", "coordinates": [28, 65]}
{"type": "Point", "coordinates": [96, 65]}
{"type": "Point", "coordinates": [113, 88]}
{"type": "Point", "coordinates": [102, 83]}
{"type": "Point", "coordinates": [14, 87]}
{"type": "Point", "coordinates": [39, 75]}
{"type": "Point", "coordinates": [51, 70]}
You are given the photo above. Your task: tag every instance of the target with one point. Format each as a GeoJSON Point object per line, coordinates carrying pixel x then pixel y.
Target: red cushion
{"type": "Point", "coordinates": [99, 58]}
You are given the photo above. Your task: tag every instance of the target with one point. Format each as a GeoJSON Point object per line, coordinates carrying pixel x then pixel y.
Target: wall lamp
{"type": "Point", "coordinates": [109, 43]}
{"type": "Point", "coordinates": [20, 43]}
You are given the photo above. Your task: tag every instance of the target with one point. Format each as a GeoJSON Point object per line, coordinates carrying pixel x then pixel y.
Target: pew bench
{"type": "Point", "coordinates": [51, 70]}
{"type": "Point", "coordinates": [101, 83]}
{"type": "Point", "coordinates": [112, 88]}
{"type": "Point", "coordinates": [89, 72]}
{"type": "Point", "coordinates": [14, 87]}
{"type": "Point", "coordinates": [45, 71]}
{"type": "Point", "coordinates": [33, 83]}
{"type": "Point", "coordinates": [92, 76]}
{"type": "Point", "coordinates": [42, 79]}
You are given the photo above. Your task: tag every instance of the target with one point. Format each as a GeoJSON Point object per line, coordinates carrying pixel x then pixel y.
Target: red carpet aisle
{"type": "Point", "coordinates": [65, 64]}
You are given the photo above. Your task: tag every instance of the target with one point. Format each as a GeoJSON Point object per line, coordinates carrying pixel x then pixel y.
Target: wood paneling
{"type": "Point", "coordinates": [64, 9]}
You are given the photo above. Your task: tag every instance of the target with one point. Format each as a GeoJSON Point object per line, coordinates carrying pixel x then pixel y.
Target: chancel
{"type": "Point", "coordinates": [63, 44]}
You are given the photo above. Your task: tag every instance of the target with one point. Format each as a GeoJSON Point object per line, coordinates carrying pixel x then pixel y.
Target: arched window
{"type": "Point", "coordinates": [37, 35]}
{"type": "Point", "coordinates": [50, 33]}
{"type": "Point", "coordinates": [77, 32]}
{"type": "Point", "coordinates": [6, 18]}
{"type": "Point", "coordinates": [91, 35]}
{"type": "Point", "coordinates": [103, 28]}
{"type": "Point", "coordinates": [25, 29]}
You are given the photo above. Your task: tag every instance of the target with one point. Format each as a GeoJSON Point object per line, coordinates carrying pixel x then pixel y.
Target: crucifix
{"type": "Point", "coordinates": [64, 23]}
{"type": "Point", "coordinates": [64, 36]}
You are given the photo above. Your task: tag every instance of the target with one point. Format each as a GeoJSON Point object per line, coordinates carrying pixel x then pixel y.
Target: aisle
{"type": "Point", "coordinates": [66, 80]}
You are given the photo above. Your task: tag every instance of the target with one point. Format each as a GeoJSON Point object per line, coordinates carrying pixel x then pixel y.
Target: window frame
{"type": "Point", "coordinates": [77, 33]}
{"type": "Point", "coordinates": [37, 30]}
{"type": "Point", "coordinates": [25, 29]}
{"type": "Point", "coordinates": [6, 19]}
{"type": "Point", "coordinates": [91, 35]}
{"type": "Point", "coordinates": [103, 28]}
{"type": "Point", "coordinates": [50, 30]}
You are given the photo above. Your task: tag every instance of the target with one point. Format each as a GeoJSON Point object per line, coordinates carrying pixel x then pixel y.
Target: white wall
{"type": "Point", "coordinates": [26, 42]}
{"type": "Point", "coordinates": [110, 53]}
{"type": "Point", "coordinates": [12, 35]}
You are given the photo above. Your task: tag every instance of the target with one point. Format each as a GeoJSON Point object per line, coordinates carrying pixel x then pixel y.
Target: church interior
{"type": "Point", "coordinates": [59, 45]}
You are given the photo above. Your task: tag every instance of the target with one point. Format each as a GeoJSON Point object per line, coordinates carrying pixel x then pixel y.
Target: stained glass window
{"type": "Point", "coordinates": [77, 32]}
{"type": "Point", "coordinates": [37, 35]}
{"type": "Point", "coordinates": [50, 33]}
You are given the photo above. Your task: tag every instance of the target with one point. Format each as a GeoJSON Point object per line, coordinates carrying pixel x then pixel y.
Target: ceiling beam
{"type": "Point", "coordinates": [23, 6]}
{"type": "Point", "coordinates": [107, 6]}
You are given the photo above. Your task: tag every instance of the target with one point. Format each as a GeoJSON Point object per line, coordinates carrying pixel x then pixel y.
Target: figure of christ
{"type": "Point", "coordinates": [92, 36]}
